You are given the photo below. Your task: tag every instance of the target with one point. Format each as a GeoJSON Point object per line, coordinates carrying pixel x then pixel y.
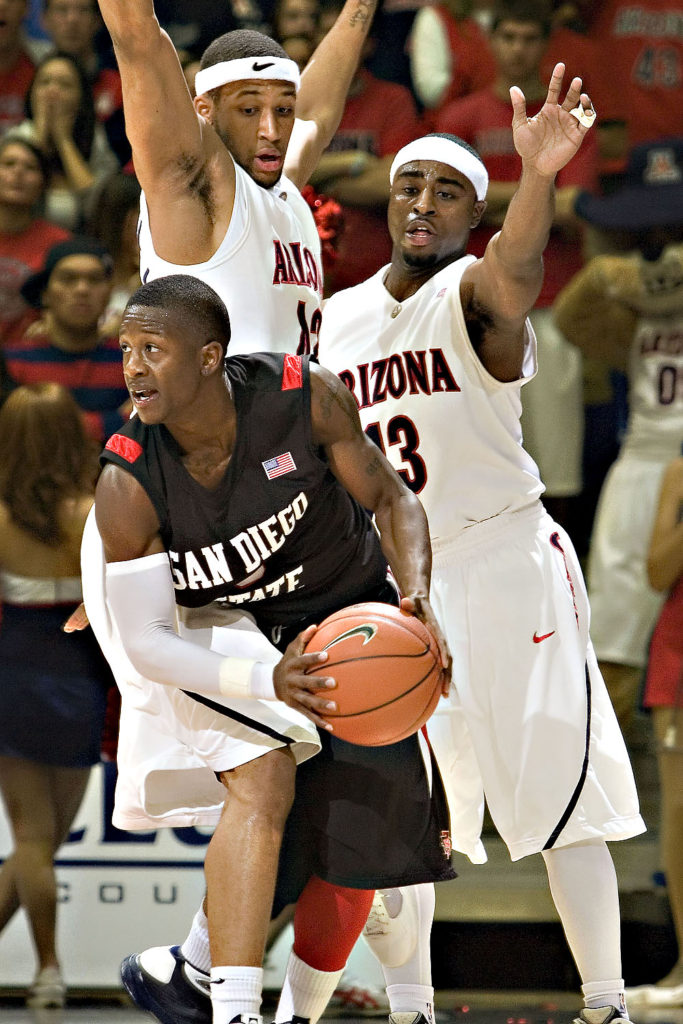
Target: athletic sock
{"type": "Point", "coordinates": [412, 999]}
{"type": "Point", "coordinates": [305, 992]}
{"type": "Point", "coordinates": [605, 993]}
{"type": "Point", "coordinates": [584, 887]}
{"type": "Point", "coordinates": [409, 985]}
{"type": "Point", "coordinates": [195, 948]}
{"type": "Point", "coordinates": [235, 990]}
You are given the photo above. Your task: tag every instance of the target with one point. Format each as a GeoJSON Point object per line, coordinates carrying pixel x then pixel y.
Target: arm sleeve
{"type": "Point", "coordinates": [141, 600]}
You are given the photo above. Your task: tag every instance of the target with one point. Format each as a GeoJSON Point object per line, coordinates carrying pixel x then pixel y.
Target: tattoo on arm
{"type": "Point", "coordinates": [374, 465]}
{"type": "Point", "coordinates": [363, 13]}
{"type": "Point", "coordinates": [335, 393]}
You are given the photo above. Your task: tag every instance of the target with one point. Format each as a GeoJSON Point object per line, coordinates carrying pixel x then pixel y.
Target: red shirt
{"type": "Point", "coordinates": [642, 44]}
{"type": "Point", "coordinates": [107, 93]}
{"type": "Point", "coordinates": [484, 120]}
{"type": "Point", "coordinates": [14, 85]}
{"type": "Point", "coordinates": [380, 120]}
{"type": "Point", "coordinates": [472, 61]}
{"type": "Point", "coordinates": [20, 256]}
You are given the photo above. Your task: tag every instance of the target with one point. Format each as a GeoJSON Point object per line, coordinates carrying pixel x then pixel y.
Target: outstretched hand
{"type": "Point", "coordinates": [548, 141]}
{"type": "Point", "coordinates": [422, 609]}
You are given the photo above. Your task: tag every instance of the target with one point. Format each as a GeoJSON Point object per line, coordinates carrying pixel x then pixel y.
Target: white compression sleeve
{"type": "Point", "coordinates": [141, 598]}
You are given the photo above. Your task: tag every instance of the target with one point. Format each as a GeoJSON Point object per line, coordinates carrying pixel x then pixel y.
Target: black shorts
{"type": "Point", "coordinates": [364, 817]}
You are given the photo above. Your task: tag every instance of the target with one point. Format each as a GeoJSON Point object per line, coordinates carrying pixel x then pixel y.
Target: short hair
{"type": "Point", "coordinates": [538, 12]}
{"type": "Point", "coordinates": [242, 42]}
{"type": "Point", "coordinates": [189, 298]}
{"type": "Point", "coordinates": [458, 141]}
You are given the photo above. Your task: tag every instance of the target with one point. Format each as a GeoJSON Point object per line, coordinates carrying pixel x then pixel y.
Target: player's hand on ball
{"type": "Point", "coordinates": [299, 690]}
{"type": "Point", "coordinates": [422, 609]}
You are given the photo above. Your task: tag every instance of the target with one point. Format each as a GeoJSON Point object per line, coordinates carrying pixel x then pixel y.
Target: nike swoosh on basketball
{"type": "Point", "coordinates": [538, 639]}
{"type": "Point", "coordinates": [261, 67]}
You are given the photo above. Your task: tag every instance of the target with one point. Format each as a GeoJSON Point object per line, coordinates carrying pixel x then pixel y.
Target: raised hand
{"type": "Point", "coordinates": [548, 141]}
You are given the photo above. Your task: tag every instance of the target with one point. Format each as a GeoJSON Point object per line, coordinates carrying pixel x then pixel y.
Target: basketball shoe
{"type": "Point", "coordinates": [47, 991]}
{"type": "Point", "coordinates": [408, 1017]}
{"type": "Point", "coordinates": [161, 981]}
{"type": "Point", "coordinates": [599, 1015]}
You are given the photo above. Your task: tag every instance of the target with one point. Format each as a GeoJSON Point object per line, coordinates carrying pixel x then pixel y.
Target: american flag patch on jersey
{"type": "Point", "coordinates": [278, 466]}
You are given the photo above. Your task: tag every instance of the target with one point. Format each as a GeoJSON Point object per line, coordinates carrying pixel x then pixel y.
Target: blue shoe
{"type": "Point", "coordinates": [162, 982]}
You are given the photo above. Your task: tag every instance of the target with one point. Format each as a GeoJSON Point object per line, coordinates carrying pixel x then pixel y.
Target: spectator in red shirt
{"type": "Point", "coordinates": [553, 403]}
{"type": "Point", "coordinates": [16, 67]}
{"type": "Point", "coordinates": [24, 236]}
{"type": "Point", "coordinates": [449, 56]}
{"type": "Point", "coordinates": [379, 119]}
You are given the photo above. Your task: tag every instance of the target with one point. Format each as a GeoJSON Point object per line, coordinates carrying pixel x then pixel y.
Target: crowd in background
{"type": "Point", "coordinates": [613, 266]}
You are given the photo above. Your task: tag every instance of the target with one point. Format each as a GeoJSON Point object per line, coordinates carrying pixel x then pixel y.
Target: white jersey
{"type": "Point", "coordinates": [267, 269]}
{"type": "Point", "coordinates": [655, 426]}
{"type": "Point", "coordinates": [450, 429]}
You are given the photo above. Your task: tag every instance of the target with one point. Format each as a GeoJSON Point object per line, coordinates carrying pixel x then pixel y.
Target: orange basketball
{"type": "Point", "coordinates": [388, 672]}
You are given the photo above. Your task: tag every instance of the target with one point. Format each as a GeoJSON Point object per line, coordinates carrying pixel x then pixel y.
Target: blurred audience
{"type": "Point", "coordinates": [379, 119]}
{"type": "Point", "coordinates": [25, 237]}
{"type": "Point", "coordinates": [449, 56]}
{"type": "Point", "coordinates": [16, 66]}
{"type": "Point", "coordinates": [52, 685]}
{"type": "Point", "coordinates": [113, 223]}
{"type": "Point", "coordinates": [552, 419]}
{"type": "Point", "coordinates": [61, 122]}
{"type": "Point", "coordinates": [664, 695]}
{"type": "Point", "coordinates": [73, 27]}
{"type": "Point", "coordinates": [294, 18]}
{"type": "Point", "coordinates": [628, 311]}
{"type": "Point", "coordinates": [67, 346]}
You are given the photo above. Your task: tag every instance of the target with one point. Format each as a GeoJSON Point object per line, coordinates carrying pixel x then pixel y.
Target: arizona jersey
{"type": "Point", "coordinates": [655, 426]}
{"type": "Point", "coordinates": [279, 534]}
{"type": "Point", "coordinates": [450, 429]}
{"type": "Point", "coordinates": [267, 269]}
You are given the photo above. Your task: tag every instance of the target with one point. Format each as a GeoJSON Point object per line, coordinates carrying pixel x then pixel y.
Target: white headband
{"type": "Point", "coordinates": [434, 147]}
{"type": "Point", "coordinates": [242, 68]}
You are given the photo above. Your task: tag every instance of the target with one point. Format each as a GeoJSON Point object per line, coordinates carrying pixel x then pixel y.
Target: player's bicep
{"type": "Point", "coordinates": [357, 463]}
{"type": "Point", "coordinates": [126, 518]}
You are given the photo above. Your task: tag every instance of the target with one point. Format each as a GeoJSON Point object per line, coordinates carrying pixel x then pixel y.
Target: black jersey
{"type": "Point", "coordinates": [279, 535]}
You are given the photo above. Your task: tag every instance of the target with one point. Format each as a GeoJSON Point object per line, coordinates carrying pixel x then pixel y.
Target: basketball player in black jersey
{"type": "Point", "coordinates": [272, 450]}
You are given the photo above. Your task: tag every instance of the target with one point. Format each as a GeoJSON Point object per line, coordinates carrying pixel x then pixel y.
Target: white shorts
{"type": "Point", "coordinates": [624, 605]}
{"type": "Point", "coordinates": [553, 764]}
{"type": "Point", "coordinates": [170, 745]}
{"type": "Point", "coordinates": [552, 409]}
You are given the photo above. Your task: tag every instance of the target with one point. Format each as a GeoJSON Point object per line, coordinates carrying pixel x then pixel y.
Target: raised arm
{"type": "Point", "coordinates": [367, 475]}
{"type": "Point", "coordinates": [174, 150]}
{"type": "Point", "coordinates": [507, 280]}
{"type": "Point", "coordinates": [324, 85]}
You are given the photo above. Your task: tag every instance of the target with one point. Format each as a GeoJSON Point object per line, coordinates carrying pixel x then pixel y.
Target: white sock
{"type": "Point", "coordinates": [583, 884]}
{"type": "Point", "coordinates": [401, 943]}
{"type": "Point", "coordinates": [195, 948]}
{"type": "Point", "coordinates": [236, 990]}
{"type": "Point", "coordinates": [306, 992]}
{"type": "Point", "coordinates": [605, 993]}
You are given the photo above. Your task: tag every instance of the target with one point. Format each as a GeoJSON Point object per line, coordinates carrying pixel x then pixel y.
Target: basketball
{"type": "Point", "coordinates": [388, 672]}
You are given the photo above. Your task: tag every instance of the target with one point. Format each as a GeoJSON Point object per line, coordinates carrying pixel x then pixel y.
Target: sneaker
{"type": "Point", "coordinates": [162, 982]}
{"type": "Point", "coordinates": [358, 999]}
{"type": "Point", "coordinates": [599, 1015]}
{"type": "Point", "coordinates": [47, 991]}
{"type": "Point", "coordinates": [408, 1017]}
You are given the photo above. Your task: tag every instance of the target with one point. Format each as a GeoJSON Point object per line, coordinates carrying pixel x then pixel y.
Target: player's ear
{"type": "Point", "coordinates": [204, 106]}
{"type": "Point", "coordinates": [477, 213]}
{"type": "Point", "coordinates": [212, 357]}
